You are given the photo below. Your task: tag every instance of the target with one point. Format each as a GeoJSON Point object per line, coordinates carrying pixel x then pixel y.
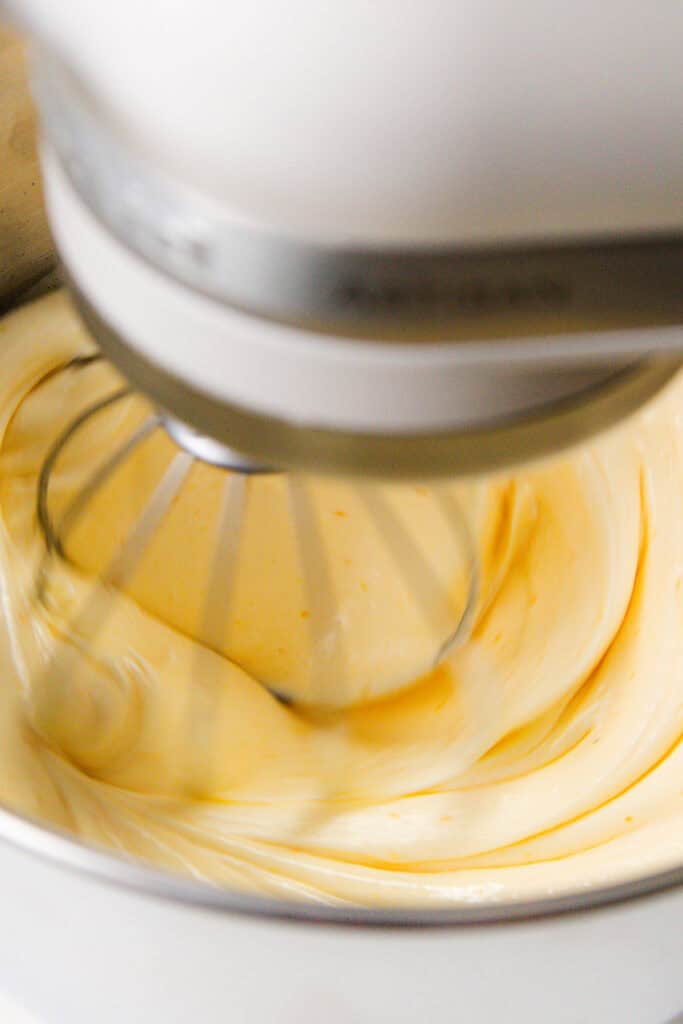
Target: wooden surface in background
{"type": "Point", "coordinates": [26, 251]}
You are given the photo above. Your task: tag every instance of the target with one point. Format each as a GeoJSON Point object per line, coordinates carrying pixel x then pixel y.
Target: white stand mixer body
{"type": "Point", "coordinates": [425, 121]}
{"type": "Point", "coordinates": [342, 138]}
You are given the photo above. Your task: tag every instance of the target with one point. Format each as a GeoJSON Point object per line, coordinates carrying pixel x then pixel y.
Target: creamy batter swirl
{"type": "Point", "coordinates": [543, 756]}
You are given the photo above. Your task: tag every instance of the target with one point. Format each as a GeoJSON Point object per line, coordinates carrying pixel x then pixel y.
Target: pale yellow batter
{"type": "Point", "coordinates": [542, 756]}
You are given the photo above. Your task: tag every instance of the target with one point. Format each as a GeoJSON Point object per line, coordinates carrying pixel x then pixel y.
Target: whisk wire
{"type": "Point", "coordinates": [453, 514]}
{"type": "Point", "coordinates": [201, 711]}
{"type": "Point", "coordinates": [91, 616]}
{"type": "Point", "coordinates": [53, 538]}
{"type": "Point", "coordinates": [427, 591]}
{"type": "Point", "coordinates": [328, 647]}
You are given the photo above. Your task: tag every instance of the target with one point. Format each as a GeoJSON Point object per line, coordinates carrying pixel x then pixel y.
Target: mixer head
{"type": "Point", "coordinates": [401, 321]}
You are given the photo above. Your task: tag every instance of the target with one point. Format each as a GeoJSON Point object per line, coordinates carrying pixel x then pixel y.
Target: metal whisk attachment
{"type": "Point", "coordinates": [328, 592]}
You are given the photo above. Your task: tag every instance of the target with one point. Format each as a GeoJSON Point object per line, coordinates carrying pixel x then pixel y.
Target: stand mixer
{"type": "Point", "coordinates": [369, 253]}
{"type": "Point", "coordinates": [409, 245]}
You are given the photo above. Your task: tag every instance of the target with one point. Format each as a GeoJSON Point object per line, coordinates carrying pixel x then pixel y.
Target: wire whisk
{"type": "Point", "coordinates": [328, 592]}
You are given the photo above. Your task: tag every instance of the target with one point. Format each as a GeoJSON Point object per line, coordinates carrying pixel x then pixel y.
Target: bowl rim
{"type": "Point", "coordinates": [60, 848]}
